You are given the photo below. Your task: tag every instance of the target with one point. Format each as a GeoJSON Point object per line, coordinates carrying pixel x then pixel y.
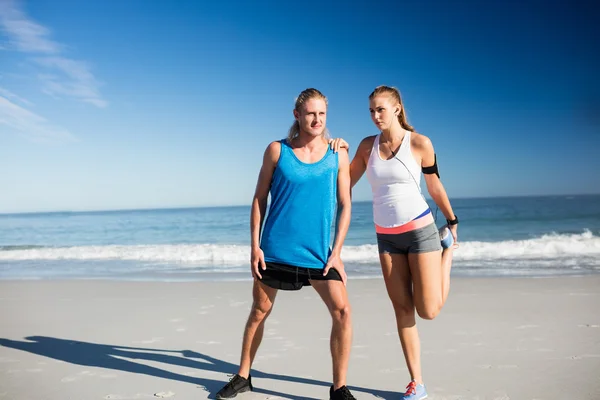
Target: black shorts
{"type": "Point", "coordinates": [287, 277]}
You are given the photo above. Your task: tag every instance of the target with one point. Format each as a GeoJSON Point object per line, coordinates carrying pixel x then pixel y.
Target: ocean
{"type": "Point", "coordinates": [511, 236]}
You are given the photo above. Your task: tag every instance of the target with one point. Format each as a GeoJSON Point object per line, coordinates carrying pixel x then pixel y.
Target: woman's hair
{"type": "Point", "coordinates": [306, 95]}
{"type": "Point", "coordinates": [395, 93]}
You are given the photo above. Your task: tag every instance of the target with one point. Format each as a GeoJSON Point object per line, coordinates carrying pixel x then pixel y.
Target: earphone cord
{"type": "Point", "coordinates": [418, 186]}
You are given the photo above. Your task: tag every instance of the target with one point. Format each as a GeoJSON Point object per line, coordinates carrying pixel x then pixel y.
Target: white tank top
{"type": "Point", "coordinates": [397, 197]}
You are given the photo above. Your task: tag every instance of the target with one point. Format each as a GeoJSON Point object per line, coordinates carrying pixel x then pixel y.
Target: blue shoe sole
{"type": "Point", "coordinates": [446, 238]}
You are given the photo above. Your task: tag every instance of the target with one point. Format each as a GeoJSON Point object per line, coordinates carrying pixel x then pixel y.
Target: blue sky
{"type": "Point", "coordinates": [142, 104]}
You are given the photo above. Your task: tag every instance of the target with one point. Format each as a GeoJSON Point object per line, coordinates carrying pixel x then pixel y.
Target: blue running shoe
{"type": "Point", "coordinates": [414, 391]}
{"type": "Point", "coordinates": [446, 237]}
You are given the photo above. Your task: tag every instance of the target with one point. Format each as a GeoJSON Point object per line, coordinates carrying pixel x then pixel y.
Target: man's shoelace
{"type": "Point", "coordinates": [235, 378]}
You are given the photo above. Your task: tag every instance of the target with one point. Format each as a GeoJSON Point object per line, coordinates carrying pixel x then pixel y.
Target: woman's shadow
{"type": "Point", "coordinates": [112, 357]}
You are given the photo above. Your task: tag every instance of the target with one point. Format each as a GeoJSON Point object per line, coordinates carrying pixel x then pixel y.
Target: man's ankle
{"type": "Point", "coordinates": [338, 385]}
{"type": "Point", "coordinates": [244, 373]}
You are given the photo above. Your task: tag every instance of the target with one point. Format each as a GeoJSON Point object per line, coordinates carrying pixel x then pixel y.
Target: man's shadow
{"type": "Point", "coordinates": [112, 357]}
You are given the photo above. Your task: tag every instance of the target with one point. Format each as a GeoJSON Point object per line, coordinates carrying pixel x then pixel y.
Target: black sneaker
{"type": "Point", "coordinates": [342, 393]}
{"type": "Point", "coordinates": [237, 384]}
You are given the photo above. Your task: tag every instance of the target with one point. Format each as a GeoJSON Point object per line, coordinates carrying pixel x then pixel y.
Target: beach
{"type": "Point", "coordinates": [496, 338]}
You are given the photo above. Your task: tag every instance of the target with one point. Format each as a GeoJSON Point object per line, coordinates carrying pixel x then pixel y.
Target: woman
{"type": "Point", "coordinates": [415, 265]}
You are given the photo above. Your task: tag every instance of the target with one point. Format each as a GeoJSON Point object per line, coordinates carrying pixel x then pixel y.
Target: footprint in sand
{"type": "Point", "coordinates": [126, 397]}
{"type": "Point", "coordinates": [527, 326]}
{"type": "Point", "coordinates": [264, 357]}
{"type": "Point", "coordinates": [469, 344]}
{"type": "Point", "coordinates": [148, 341]}
{"type": "Point", "coordinates": [164, 395]}
{"type": "Point", "coordinates": [505, 366]}
{"type": "Point", "coordinates": [467, 333]}
{"type": "Point", "coordinates": [392, 370]}
{"type": "Point", "coordinates": [76, 377]}
{"type": "Point", "coordinates": [80, 375]}
{"type": "Point", "coordinates": [582, 356]}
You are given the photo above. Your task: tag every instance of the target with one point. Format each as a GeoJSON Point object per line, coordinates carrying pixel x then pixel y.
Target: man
{"type": "Point", "coordinates": [306, 180]}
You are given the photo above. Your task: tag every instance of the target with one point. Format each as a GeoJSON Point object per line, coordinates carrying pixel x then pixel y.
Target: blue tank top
{"type": "Point", "coordinates": [297, 231]}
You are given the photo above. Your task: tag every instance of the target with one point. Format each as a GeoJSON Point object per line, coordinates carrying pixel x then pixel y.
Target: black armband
{"type": "Point", "coordinates": [433, 169]}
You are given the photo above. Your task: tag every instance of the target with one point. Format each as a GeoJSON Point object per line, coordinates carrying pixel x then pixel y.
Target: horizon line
{"type": "Point", "coordinates": [249, 205]}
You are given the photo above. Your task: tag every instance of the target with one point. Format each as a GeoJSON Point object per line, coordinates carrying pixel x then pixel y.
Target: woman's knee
{"type": "Point", "coordinates": [429, 311]}
{"type": "Point", "coordinates": [403, 308]}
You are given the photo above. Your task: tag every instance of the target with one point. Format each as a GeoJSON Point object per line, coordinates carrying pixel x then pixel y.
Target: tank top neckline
{"type": "Point", "coordinates": [285, 143]}
{"type": "Point", "coordinates": [405, 139]}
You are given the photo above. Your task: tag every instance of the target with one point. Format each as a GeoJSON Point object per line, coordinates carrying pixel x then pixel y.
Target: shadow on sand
{"type": "Point", "coordinates": [112, 357]}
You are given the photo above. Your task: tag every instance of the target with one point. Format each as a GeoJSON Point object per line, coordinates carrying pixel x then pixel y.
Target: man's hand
{"type": "Point", "coordinates": [336, 263]}
{"type": "Point", "coordinates": [257, 262]}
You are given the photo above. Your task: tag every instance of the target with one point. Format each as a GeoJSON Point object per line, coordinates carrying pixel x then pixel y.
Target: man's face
{"type": "Point", "coordinates": [312, 117]}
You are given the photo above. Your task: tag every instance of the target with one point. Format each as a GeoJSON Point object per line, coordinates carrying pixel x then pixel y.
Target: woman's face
{"type": "Point", "coordinates": [383, 111]}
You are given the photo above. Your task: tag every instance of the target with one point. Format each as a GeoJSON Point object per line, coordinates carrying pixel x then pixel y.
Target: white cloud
{"type": "Point", "coordinates": [74, 79]}
{"type": "Point", "coordinates": [24, 34]}
{"type": "Point", "coordinates": [10, 95]}
{"type": "Point", "coordinates": [33, 126]}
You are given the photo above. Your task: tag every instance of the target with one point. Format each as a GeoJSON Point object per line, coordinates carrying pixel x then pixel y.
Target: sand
{"type": "Point", "coordinates": [496, 338]}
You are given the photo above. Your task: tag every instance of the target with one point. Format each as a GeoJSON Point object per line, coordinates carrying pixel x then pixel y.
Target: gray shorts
{"type": "Point", "coordinates": [421, 240]}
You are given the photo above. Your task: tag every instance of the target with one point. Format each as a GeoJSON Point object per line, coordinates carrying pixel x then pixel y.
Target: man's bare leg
{"type": "Point", "coordinates": [335, 297]}
{"type": "Point", "coordinates": [263, 299]}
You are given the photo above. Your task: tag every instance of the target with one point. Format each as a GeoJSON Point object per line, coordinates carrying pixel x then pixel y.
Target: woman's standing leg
{"type": "Point", "coordinates": [398, 282]}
